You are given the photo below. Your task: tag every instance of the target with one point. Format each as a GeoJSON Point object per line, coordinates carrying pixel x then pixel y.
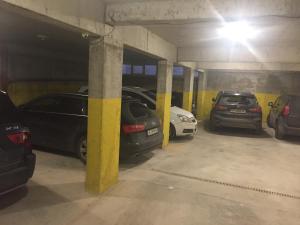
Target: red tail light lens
{"type": "Point", "coordinates": [128, 129]}
{"type": "Point", "coordinates": [220, 107]}
{"type": "Point", "coordinates": [22, 138]}
{"type": "Point", "coordinates": [286, 111]}
{"type": "Point", "coordinates": [255, 110]}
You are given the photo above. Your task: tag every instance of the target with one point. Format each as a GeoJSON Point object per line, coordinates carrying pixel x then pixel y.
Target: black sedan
{"type": "Point", "coordinates": [59, 122]}
{"type": "Point", "coordinates": [236, 109]}
{"type": "Point", "coordinates": [17, 161]}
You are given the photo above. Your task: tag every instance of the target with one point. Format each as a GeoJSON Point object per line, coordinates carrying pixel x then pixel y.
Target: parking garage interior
{"type": "Point", "coordinates": [180, 51]}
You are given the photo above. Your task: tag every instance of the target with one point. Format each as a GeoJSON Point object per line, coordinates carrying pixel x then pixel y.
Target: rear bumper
{"type": "Point", "coordinates": [12, 179]}
{"type": "Point", "coordinates": [251, 123]}
{"type": "Point", "coordinates": [134, 145]}
{"type": "Point", "coordinates": [291, 130]}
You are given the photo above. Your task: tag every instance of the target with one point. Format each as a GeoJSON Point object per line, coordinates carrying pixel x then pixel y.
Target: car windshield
{"type": "Point", "coordinates": [237, 100]}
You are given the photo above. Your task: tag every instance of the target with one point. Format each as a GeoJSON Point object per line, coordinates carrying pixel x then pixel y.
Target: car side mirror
{"type": "Point", "coordinates": [214, 99]}
{"type": "Point", "coordinates": [271, 104]}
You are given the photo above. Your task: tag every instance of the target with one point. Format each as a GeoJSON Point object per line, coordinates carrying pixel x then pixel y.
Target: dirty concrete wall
{"type": "Point", "coordinates": [32, 72]}
{"type": "Point", "coordinates": [266, 85]}
{"type": "Point", "coordinates": [149, 82]}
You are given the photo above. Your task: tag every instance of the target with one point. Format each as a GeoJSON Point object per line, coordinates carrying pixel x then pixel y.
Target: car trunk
{"type": "Point", "coordinates": [293, 119]}
{"type": "Point", "coordinates": [238, 107]}
{"type": "Point", "coordinates": [140, 115]}
{"type": "Point", "coordinates": [11, 155]}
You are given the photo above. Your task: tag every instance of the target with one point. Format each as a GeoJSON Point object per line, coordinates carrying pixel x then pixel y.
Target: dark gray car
{"type": "Point", "coordinates": [236, 109]}
{"type": "Point", "coordinates": [284, 116]}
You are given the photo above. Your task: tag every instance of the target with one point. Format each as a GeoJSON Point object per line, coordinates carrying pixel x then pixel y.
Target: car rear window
{"type": "Point", "coordinates": [138, 110]}
{"type": "Point", "coordinates": [8, 112]}
{"type": "Point", "coordinates": [237, 99]}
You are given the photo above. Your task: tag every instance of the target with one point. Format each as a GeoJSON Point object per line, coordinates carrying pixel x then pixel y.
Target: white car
{"type": "Point", "coordinates": [183, 123]}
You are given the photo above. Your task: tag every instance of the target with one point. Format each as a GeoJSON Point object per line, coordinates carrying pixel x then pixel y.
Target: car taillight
{"type": "Point", "coordinates": [286, 111]}
{"type": "Point", "coordinates": [133, 128]}
{"type": "Point", "coordinates": [256, 110]}
{"type": "Point", "coordinates": [220, 107]}
{"type": "Point", "coordinates": [21, 138]}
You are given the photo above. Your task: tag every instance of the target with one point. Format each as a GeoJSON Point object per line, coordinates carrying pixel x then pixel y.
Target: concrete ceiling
{"type": "Point", "coordinates": [272, 31]}
{"type": "Point", "coordinates": [19, 29]}
{"type": "Point", "coordinates": [192, 25]}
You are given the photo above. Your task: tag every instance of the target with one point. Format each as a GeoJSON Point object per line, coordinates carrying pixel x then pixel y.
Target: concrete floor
{"type": "Point", "coordinates": [169, 187]}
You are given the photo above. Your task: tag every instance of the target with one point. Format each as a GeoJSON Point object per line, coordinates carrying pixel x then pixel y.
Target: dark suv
{"type": "Point", "coordinates": [284, 116]}
{"type": "Point", "coordinates": [59, 121]}
{"type": "Point", "coordinates": [236, 109]}
{"type": "Point", "coordinates": [17, 161]}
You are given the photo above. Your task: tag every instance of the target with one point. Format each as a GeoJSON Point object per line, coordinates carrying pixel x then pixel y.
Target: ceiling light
{"type": "Point", "coordinates": [239, 31]}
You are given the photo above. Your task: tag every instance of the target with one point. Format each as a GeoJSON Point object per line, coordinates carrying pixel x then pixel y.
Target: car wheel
{"type": "Point", "coordinates": [82, 149]}
{"type": "Point", "coordinates": [172, 131]}
{"type": "Point", "coordinates": [279, 131]}
{"type": "Point", "coordinates": [212, 125]}
{"type": "Point", "coordinates": [258, 129]}
{"type": "Point", "coordinates": [269, 122]}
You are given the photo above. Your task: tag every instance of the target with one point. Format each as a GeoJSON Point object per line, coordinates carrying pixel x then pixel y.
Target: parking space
{"type": "Point", "coordinates": [149, 112]}
{"type": "Point", "coordinates": [228, 177]}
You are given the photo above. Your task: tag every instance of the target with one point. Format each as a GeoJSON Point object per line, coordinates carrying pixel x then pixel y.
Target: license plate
{"type": "Point", "coordinates": [152, 132]}
{"type": "Point", "coordinates": [238, 111]}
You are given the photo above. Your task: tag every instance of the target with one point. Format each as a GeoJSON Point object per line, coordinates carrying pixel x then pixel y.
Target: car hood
{"type": "Point", "coordinates": [176, 110]}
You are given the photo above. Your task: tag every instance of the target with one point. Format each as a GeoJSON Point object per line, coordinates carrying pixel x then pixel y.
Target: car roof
{"type": "Point", "coordinates": [137, 89]}
{"type": "Point", "coordinates": [124, 98]}
{"type": "Point", "coordinates": [242, 93]}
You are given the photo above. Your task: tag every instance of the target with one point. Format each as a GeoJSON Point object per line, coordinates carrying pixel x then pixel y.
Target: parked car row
{"type": "Point", "coordinates": [59, 121]}
{"type": "Point", "coordinates": [242, 110]}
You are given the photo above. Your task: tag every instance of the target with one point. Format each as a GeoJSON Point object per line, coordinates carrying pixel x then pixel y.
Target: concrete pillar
{"type": "Point", "coordinates": [188, 89]}
{"type": "Point", "coordinates": [104, 112]}
{"type": "Point", "coordinates": [164, 95]}
{"type": "Point", "coordinates": [202, 87]}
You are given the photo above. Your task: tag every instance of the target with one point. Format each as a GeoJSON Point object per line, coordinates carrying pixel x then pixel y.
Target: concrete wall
{"type": "Point", "coordinates": [267, 85]}
{"type": "Point", "coordinates": [150, 82]}
{"type": "Point", "coordinates": [32, 72]}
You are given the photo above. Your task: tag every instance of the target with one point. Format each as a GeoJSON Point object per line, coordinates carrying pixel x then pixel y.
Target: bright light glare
{"type": "Point", "coordinates": [239, 31]}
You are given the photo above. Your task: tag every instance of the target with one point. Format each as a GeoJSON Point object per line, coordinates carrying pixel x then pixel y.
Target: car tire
{"type": "Point", "coordinates": [212, 125]}
{"type": "Point", "coordinates": [259, 129]}
{"type": "Point", "coordinates": [279, 132]}
{"type": "Point", "coordinates": [269, 122]}
{"type": "Point", "coordinates": [172, 131]}
{"type": "Point", "coordinates": [81, 148]}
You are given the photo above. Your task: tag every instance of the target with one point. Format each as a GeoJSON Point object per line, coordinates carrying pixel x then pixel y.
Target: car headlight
{"type": "Point", "coordinates": [183, 118]}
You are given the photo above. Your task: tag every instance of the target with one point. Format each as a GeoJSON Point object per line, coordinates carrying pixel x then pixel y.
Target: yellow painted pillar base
{"type": "Point", "coordinates": [200, 105]}
{"type": "Point", "coordinates": [163, 108]}
{"type": "Point", "coordinates": [187, 100]}
{"type": "Point", "coordinates": [103, 144]}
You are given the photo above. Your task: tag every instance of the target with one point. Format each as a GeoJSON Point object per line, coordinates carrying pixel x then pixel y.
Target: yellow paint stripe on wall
{"type": "Point", "coordinates": [187, 100]}
{"type": "Point", "coordinates": [22, 92]}
{"type": "Point", "coordinates": [205, 100]}
{"type": "Point", "coordinates": [104, 117]}
{"type": "Point", "coordinates": [163, 109]}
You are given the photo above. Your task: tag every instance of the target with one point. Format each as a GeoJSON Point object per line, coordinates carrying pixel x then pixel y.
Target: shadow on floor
{"type": "Point", "coordinates": [182, 139]}
{"type": "Point", "coordinates": [295, 140]}
{"type": "Point", "coordinates": [54, 151]}
{"type": "Point", "coordinates": [34, 196]}
{"type": "Point", "coordinates": [236, 132]}
{"type": "Point", "coordinates": [135, 160]}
